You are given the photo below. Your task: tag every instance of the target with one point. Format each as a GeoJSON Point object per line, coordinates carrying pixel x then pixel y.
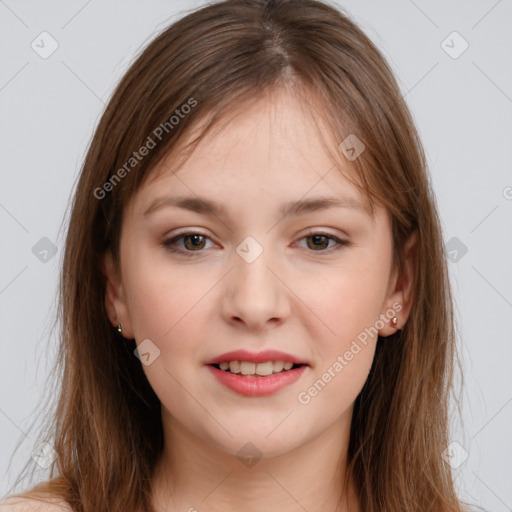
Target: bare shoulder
{"type": "Point", "coordinates": [19, 504]}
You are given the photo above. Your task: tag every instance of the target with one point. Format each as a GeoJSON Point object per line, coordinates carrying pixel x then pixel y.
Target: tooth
{"type": "Point", "coordinates": [278, 366]}
{"type": "Point", "coordinates": [264, 368]}
{"type": "Point", "coordinates": [234, 366]}
{"type": "Point", "coordinates": [247, 368]}
{"type": "Point", "coordinates": [224, 365]}
{"type": "Point", "coordinates": [287, 365]}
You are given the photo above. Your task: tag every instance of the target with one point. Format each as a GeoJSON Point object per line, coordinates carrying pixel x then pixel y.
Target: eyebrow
{"type": "Point", "coordinates": [300, 207]}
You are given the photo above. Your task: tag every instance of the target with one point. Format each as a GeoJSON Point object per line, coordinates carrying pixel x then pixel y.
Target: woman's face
{"type": "Point", "coordinates": [238, 267]}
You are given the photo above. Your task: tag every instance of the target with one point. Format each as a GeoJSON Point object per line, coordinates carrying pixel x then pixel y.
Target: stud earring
{"type": "Point", "coordinates": [120, 328]}
{"type": "Point", "coordinates": [395, 321]}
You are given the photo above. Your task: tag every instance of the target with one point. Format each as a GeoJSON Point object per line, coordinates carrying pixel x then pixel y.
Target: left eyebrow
{"type": "Point", "coordinates": [212, 208]}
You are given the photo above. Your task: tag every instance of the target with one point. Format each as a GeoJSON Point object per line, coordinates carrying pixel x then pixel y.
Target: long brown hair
{"type": "Point", "coordinates": [107, 429]}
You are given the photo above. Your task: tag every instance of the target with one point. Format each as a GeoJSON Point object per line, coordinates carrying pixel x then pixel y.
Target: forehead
{"type": "Point", "coordinates": [276, 148]}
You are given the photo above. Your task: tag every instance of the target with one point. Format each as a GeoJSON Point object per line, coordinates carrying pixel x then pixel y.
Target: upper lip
{"type": "Point", "coordinates": [256, 357]}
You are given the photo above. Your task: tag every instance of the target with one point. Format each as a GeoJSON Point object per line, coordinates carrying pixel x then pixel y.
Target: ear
{"type": "Point", "coordinates": [401, 287]}
{"type": "Point", "coordinates": [115, 302]}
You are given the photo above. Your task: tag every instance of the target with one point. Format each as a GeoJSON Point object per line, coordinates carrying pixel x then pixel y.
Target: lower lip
{"type": "Point", "coordinates": [252, 385]}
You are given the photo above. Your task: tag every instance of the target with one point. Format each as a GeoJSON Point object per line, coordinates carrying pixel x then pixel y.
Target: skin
{"type": "Point", "coordinates": [300, 296]}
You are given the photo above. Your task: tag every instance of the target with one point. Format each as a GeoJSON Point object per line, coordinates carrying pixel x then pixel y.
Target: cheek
{"type": "Point", "coordinates": [347, 305]}
{"type": "Point", "coordinates": [166, 305]}
{"type": "Point", "coordinates": [344, 345]}
{"type": "Point", "coordinates": [346, 301]}
{"type": "Point", "coordinates": [161, 295]}
{"type": "Point", "coordinates": [171, 306]}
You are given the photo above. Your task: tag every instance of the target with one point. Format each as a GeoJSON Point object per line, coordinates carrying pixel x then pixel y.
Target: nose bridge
{"type": "Point", "coordinates": [255, 294]}
{"type": "Point", "coordinates": [251, 269]}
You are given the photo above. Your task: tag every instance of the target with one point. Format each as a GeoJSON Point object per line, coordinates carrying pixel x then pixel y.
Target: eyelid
{"type": "Point", "coordinates": [168, 243]}
{"type": "Point", "coordinates": [340, 242]}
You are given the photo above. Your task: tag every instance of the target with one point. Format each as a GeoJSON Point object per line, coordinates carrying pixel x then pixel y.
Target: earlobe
{"type": "Point", "coordinates": [401, 296]}
{"type": "Point", "coordinates": [115, 304]}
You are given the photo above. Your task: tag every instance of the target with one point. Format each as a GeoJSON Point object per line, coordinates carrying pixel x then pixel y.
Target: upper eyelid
{"type": "Point", "coordinates": [312, 232]}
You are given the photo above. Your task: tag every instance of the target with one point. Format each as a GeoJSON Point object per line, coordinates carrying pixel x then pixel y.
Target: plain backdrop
{"type": "Point", "coordinates": [452, 61]}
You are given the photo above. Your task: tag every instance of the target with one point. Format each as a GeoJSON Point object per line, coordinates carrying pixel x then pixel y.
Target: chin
{"type": "Point", "coordinates": [259, 442]}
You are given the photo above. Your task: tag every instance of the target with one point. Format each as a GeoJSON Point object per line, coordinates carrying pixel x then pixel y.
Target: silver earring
{"type": "Point", "coordinates": [395, 321]}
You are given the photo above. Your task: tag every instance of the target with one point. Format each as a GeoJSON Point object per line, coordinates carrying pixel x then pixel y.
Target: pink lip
{"type": "Point", "coordinates": [256, 357]}
{"type": "Point", "coordinates": [253, 385]}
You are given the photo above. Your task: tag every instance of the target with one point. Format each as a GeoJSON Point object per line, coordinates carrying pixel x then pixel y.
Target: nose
{"type": "Point", "coordinates": [255, 295]}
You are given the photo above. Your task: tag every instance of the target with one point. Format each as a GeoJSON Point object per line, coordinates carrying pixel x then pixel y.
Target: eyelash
{"type": "Point", "coordinates": [170, 243]}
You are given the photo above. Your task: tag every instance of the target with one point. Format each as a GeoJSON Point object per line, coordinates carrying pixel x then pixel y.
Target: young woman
{"type": "Point", "coordinates": [256, 313]}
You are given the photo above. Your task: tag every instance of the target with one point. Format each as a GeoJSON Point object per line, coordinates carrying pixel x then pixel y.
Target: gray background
{"type": "Point", "coordinates": [463, 109]}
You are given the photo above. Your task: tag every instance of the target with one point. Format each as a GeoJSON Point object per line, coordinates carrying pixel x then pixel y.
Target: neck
{"type": "Point", "coordinates": [194, 475]}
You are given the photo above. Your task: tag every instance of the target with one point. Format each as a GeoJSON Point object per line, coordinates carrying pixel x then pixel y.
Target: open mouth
{"type": "Point", "coordinates": [256, 378]}
{"type": "Point", "coordinates": [248, 369]}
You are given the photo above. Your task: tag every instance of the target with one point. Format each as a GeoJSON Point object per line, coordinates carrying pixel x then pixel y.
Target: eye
{"type": "Point", "coordinates": [318, 242]}
{"type": "Point", "coordinates": [193, 242]}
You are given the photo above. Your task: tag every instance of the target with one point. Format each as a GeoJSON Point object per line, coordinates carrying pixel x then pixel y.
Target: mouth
{"type": "Point", "coordinates": [256, 373]}
{"type": "Point", "coordinates": [250, 369]}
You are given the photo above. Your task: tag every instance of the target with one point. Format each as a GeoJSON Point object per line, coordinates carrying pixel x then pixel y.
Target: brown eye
{"type": "Point", "coordinates": [196, 241]}
{"type": "Point", "coordinates": [190, 243]}
{"type": "Point", "coordinates": [186, 243]}
{"type": "Point", "coordinates": [318, 241]}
